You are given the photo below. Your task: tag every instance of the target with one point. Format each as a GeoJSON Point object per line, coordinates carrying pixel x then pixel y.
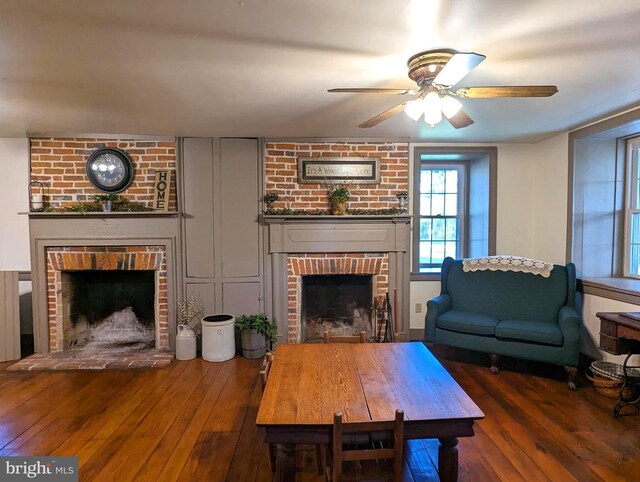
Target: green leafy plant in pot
{"type": "Point", "coordinates": [338, 196]}
{"type": "Point", "coordinates": [255, 332]}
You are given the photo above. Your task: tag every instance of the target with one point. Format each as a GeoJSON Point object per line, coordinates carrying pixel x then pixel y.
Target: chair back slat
{"type": "Point", "coordinates": [373, 450]}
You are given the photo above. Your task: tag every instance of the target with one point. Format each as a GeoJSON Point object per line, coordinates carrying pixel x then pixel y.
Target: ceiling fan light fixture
{"type": "Point", "coordinates": [450, 106]}
{"type": "Point", "coordinates": [432, 108]}
{"type": "Point", "coordinates": [415, 109]}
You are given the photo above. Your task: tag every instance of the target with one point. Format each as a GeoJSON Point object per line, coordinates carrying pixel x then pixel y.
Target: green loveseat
{"type": "Point", "coordinates": [508, 313]}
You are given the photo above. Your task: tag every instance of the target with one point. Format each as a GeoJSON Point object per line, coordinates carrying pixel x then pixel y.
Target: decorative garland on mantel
{"type": "Point", "coordinates": [325, 212]}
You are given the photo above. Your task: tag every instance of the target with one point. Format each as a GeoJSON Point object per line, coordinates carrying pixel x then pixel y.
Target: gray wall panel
{"type": "Point", "coordinates": [241, 298]}
{"type": "Point", "coordinates": [240, 233]}
{"type": "Point", "coordinates": [198, 207]}
{"type": "Point", "coordinates": [9, 316]}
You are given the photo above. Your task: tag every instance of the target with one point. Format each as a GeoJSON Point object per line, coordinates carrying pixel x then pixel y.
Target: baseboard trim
{"type": "Point", "coordinates": [416, 334]}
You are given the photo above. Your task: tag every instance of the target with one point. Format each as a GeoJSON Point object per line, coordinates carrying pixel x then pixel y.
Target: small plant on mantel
{"type": "Point", "coordinates": [269, 199]}
{"type": "Point", "coordinates": [338, 196]}
{"type": "Point", "coordinates": [189, 311]}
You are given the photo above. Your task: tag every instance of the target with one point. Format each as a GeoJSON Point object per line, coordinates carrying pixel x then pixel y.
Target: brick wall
{"type": "Point", "coordinates": [281, 174]}
{"type": "Point", "coordinates": [60, 163]}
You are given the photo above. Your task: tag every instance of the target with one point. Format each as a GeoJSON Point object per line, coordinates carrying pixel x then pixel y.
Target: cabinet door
{"type": "Point", "coordinates": [198, 207]}
{"type": "Point", "coordinates": [240, 231]}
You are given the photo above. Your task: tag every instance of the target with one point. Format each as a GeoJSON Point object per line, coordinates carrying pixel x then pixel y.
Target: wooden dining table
{"type": "Point", "coordinates": [308, 383]}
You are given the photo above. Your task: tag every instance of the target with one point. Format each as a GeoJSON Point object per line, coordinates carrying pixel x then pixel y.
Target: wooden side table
{"type": "Point", "coordinates": [620, 334]}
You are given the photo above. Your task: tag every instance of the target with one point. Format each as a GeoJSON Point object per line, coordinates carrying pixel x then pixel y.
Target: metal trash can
{"type": "Point", "coordinates": [218, 338]}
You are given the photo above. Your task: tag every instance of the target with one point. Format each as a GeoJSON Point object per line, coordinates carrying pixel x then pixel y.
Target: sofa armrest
{"type": "Point", "coordinates": [435, 307]}
{"type": "Point", "coordinates": [569, 323]}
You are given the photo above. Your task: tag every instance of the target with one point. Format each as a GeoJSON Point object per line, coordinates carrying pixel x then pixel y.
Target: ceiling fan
{"type": "Point", "coordinates": [436, 72]}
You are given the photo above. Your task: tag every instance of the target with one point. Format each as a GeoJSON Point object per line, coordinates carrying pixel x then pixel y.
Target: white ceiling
{"type": "Point", "coordinates": [263, 67]}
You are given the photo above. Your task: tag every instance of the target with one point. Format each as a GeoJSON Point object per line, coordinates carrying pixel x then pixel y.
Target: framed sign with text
{"type": "Point", "coordinates": [361, 170]}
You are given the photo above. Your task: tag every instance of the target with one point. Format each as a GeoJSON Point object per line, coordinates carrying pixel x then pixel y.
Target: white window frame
{"type": "Point", "coordinates": [631, 200]}
{"type": "Point", "coordinates": [462, 209]}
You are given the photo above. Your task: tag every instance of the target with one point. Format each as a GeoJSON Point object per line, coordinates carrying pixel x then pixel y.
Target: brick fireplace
{"type": "Point", "coordinates": [375, 265]}
{"type": "Point", "coordinates": [63, 244]}
{"type": "Point", "coordinates": [123, 249]}
{"type": "Point", "coordinates": [361, 245]}
{"type": "Point", "coordinates": [329, 245]}
{"type": "Point", "coordinates": [97, 259]}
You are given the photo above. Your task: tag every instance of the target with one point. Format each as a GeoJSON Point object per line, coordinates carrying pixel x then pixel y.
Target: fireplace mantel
{"type": "Point", "coordinates": [351, 233]}
{"type": "Point", "coordinates": [296, 235]}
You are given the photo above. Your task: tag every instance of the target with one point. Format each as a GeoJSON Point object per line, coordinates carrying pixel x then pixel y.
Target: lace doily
{"type": "Point", "coordinates": [508, 263]}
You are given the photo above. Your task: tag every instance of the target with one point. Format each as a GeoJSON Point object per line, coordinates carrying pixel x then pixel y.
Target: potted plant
{"type": "Point", "coordinates": [269, 199]}
{"type": "Point", "coordinates": [338, 196]}
{"type": "Point", "coordinates": [107, 200]}
{"type": "Point", "coordinates": [403, 197]}
{"type": "Point", "coordinates": [255, 330]}
{"type": "Point", "coordinates": [188, 312]}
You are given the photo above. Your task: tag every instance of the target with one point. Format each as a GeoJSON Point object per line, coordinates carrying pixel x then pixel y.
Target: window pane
{"type": "Point", "coordinates": [425, 204]}
{"type": "Point", "coordinates": [451, 204]}
{"type": "Point", "coordinates": [425, 253]}
{"type": "Point", "coordinates": [452, 181]}
{"type": "Point", "coordinates": [452, 229]}
{"type": "Point", "coordinates": [438, 229]}
{"type": "Point", "coordinates": [634, 244]}
{"type": "Point", "coordinates": [451, 249]}
{"type": "Point", "coordinates": [425, 229]}
{"type": "Point", "coordinates": [438, 180]}
{"type": "Point", "coordinates": [425, 180]}
{"type": "Point", "coordinates": [635, 158]}
{"type": "Point", "coordinates": [437, 208]}
{"type": "Point", "coordinates": [437, 253]}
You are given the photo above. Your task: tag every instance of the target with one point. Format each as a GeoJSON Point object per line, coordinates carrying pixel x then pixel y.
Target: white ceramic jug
{"type": "Point", "coordinates": [185, 343]}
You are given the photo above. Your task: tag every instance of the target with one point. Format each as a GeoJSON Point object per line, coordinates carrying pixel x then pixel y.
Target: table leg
{"type": "Point", "coordinates": [448, 459]}
{"type": "Point", "coordinates": [286, 462]}
{"type": "Point", "coordinates": [622, 401]}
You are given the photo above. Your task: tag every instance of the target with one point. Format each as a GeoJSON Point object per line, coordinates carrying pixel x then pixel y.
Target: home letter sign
{"type": "Point", "coordinates": [162, 189]}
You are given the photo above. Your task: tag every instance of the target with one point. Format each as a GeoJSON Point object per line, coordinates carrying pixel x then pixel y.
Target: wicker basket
{"type": "Point", "coordinates": [612, 371]}
{"type": "Point", "coordinates": [611, 388]}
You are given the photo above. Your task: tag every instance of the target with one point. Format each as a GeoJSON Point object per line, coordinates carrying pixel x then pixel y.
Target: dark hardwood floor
{"type": "Point", "coordinates": [195, 421]}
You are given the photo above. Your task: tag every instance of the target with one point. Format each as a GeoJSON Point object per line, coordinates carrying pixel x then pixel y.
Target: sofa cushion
{"type": "Point", "coordinates": [547, 333]}
{"type": "Point", "coordinates": [467, 322]}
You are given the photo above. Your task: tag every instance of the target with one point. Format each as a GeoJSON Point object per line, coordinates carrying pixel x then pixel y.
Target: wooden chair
{"type": "Point", "coordinates": [379, 457]}
{"type": "Point", "coordinates": [264, 375]}
{"type": "Point", "coordinates": [266, 367]}
{"type": "Point", "coordinates": [320, 458]}
{"type": "Point", "coordinates": [329, 338]}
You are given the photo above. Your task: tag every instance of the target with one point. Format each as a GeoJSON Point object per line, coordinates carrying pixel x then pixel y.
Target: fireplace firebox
{"type": "Point", "coordinates": [109, 309]}
{"type": "Point", "coordinates": [340, 304]}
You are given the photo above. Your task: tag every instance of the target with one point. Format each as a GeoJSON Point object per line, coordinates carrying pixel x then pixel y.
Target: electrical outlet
{"type": "Point", "coordinates": [418, 307]}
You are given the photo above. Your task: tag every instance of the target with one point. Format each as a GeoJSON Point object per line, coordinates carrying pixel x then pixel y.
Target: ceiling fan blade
{"type": "Point", "coordinates": [458, 66]}
{"type": "Point", "coordinates": [374, 121]}
{"type": "Point", "coordinates": [460, 120]}
{"type": "Point", "coordinates": [374, 91]}
{"type": "Point", "coordinates": [507, 91]}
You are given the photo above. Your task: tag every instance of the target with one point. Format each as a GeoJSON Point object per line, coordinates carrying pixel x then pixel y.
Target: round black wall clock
{"type": "Point", "coordinates": [110, 169]}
